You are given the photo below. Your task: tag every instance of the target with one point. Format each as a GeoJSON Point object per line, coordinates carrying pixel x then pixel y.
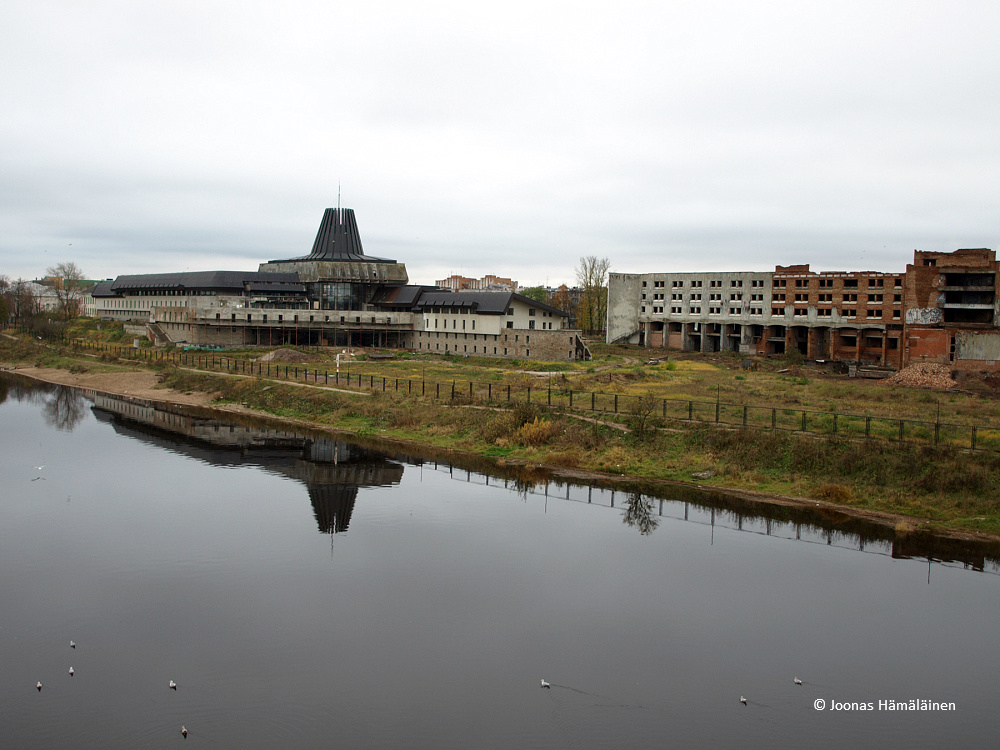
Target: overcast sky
{"type": "Point", "coordinates": [508, 138]}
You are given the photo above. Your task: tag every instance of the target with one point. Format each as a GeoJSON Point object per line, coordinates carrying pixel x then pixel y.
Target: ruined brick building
{"type": "Point", "coordinates": [943, 308]}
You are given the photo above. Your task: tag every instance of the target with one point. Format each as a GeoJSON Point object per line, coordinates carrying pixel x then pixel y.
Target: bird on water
{"type": "Point", "coordinates": [71, 671]}
{"type": "Point", "coordinates": [545, 684]}
{"type": "Point", "coordinates": [184, 731]}
{"type": "Point", "coordinates": [172, 685]}
{"type": "Point", "coordinates": [797, 681]}
{"type": "Point", "coordinates": [72, 644]}
{"type": "Point", "coordinates": [39, 686]}
{"type": "Point", "coordinates": [743, 700]}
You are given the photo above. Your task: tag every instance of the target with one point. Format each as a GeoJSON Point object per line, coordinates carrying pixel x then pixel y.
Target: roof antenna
{"type": "Point", "coordinates": [338, 197]}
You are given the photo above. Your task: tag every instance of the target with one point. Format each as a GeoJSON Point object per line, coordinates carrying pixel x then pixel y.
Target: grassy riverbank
{"type": "Point", "coordinates": [945, 486]}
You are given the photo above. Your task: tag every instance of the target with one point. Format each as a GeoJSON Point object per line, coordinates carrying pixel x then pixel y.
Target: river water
{"type": "Point", "coordinates": [307, 592]}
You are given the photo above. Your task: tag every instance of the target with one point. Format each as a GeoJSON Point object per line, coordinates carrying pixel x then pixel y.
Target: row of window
{"type": "Point", "coordinates": [713, 283]}
{"type": "Point", "coordinates": [847, 283]}
{"type": "Point", "coordinates": [798, 312]}
{"type": "Point", "coordinates": [897, 299]}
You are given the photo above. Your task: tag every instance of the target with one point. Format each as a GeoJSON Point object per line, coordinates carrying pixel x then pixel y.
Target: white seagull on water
{"type": "Point", "coordinates": [743, 700]}
{"type": "Point", "coordinates": [71, 671]}
{"type": "Point", "coordinates": [72, 644]}
{"type": "Point", "coordinates": [797, 681]}
{"type": "Point", "coordinates": [184, 731]}
{"type": "Point", "coordinates": [172, 685]}
{"type": "Point", "coordinates": [39, 686]}
{"type": "Point", "coordinates": [545, 684]}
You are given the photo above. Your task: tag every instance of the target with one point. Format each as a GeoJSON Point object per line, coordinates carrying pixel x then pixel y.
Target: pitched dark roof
{"type": "Point", "coordinates": [338, 239]}
{"type": "Point", "coordinates": [221, 281]}
{"type": "Point", "coordinates": [485, 303]}
{"type": "Point", "coordinates": [102, 289]}
{"type": "Point", "coordinates": [399, 296]}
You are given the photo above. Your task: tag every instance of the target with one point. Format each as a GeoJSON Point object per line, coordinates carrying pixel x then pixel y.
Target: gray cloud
{"type": "Point", "coordinates": [510, 140]}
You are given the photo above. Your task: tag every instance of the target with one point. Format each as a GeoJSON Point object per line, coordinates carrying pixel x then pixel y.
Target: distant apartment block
{"type": "Point", "coordinates": [942, 308]}
{"type": "Point", "coordinates": [489, 282]}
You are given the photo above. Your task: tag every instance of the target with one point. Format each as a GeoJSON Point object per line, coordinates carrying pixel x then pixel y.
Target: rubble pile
{"type": "Point", "coordinates": [924, 375]}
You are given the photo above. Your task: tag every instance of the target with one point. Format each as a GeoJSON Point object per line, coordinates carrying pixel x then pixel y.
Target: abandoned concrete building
{"type": "Point", "coordinates": [943, 308]}
{"type": "Point", "coordinates": [336, 296]}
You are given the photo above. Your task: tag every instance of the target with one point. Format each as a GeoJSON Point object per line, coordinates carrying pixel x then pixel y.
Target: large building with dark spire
{"type": "Point", "coordinates": [336, 296]}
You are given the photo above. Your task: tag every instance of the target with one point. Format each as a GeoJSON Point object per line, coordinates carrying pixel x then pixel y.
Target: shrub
{"type": "Point", "coordinates": [501, 427]}
{"type": "Point", "coordinates": [535, 433]}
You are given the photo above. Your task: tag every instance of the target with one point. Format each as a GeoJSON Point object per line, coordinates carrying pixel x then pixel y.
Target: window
{"type": "Point", "coordinates": [531, 324]}
{"type": "Point", "coordinates": [849, 298]}
{"type": "Point", "coordinates": [715, 283]}
{"type": "Point", "coordinates": [780, 282]}
{"type": "Point", "coordinates": [875, 282]}
{"type": "Point", "coordinates": [777, 297]}
{"type": "Point", "coordinates": [736, 283]}
{"type": "Point", "coordinates": [715, 311]}
{"type": "Point", "coordinates": [800, 312]}
{"type": "Point", "coordinates": [696, 283]}
{"type": "Point", "coordinates": [777, 311]}
{"type": "Point", "coordinates": [823, 283]}
{"type": "Point", "coordinates": [874, 297]}
{"type": "Point", "coordinates": [735, 297]}
{"type": "Point", "coordinates": [695, 311]}
{"type": "Point", "coordinates": [850, 283]}
{"type": "Point", "coordinates": [849, 313]}
{"type": "Point", "coordinates": [696, 297]}
{"type": "Point", "coordinates": [801, 297]}
{"type": "Point", "coordinates": [531, 311]}
{"type": "Point", "coordinates": [801, 283]}
{"type": "Point", "coordinates": [874, 313]}
{"type": "Point", "coordinates": [824, 312]}
{"type": "Point", "coordinates": [825, 298]}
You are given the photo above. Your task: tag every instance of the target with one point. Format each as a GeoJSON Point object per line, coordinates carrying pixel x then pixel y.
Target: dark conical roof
{"type": "Point", "coordinates": [338, 239]}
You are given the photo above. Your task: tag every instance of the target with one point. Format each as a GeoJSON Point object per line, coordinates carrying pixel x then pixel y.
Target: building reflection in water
{"type": "Point", "coordinates": [332, 470]}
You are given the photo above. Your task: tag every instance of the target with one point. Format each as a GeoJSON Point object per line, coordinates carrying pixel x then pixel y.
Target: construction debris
{"type": "Point", "coordinates": [924, 375]}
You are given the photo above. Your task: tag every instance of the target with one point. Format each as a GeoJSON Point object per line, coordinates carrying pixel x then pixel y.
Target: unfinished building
{"type": "Point", "coordinates": [943, 308]}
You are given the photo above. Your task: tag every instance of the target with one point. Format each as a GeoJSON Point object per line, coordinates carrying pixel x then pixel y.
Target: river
{"type": "Point", "coordinates": [306, 591]}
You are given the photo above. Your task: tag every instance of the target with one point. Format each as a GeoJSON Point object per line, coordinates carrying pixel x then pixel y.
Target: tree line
{"type": "Point", "coordinates": [20, 302]}
{"type": "Point", "coordinates": [587, 305]}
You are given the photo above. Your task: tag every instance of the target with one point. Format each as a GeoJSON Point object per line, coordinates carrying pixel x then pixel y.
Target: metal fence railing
{"type": "Point", "coordinates": [681, 411]}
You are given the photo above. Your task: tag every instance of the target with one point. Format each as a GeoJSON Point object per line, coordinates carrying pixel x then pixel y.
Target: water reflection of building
{"type": "Point", "coordinates": [332, 470]}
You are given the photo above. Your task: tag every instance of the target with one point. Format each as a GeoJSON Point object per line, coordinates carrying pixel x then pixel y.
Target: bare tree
{"type": "Point", "coordinates": [592, 274]}
{"type": "Point", "coordinates": [639, 514]}
{"type": "Point", "coordinates": [68, 283]}
{"type": "Point", "coordinates": [21, 301]}
{"type": "Point", "coordinates": [642, 416]}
